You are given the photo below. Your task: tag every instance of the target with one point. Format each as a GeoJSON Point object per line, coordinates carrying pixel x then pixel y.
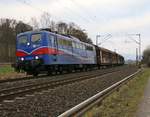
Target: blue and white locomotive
{"type": "Point", "coordinates": [43, 50]}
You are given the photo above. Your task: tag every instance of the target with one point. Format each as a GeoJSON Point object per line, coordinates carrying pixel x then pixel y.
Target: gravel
{"type": "Point", "coordinates": [49, 78]}
{"type": "Point", "coordinates": [53, 102]}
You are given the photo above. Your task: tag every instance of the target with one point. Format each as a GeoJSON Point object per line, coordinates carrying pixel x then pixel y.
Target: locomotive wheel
{"type": "Point", "coordinates": [60, 70]}
{"type": "Point", "coordinates": [49, 73]}
{"type": "Point", "coordinates": [35, 74]}
{"type": "Point", "coordinates": [69, 69]}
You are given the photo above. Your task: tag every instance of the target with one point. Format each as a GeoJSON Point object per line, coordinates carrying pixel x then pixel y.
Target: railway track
{"type": "Point", "coordinates": [57, 98]}
{"type": "Point", "coordinates": [20, 82]}
{"type": "Point", "coordinates": [80, 109]}
{"type": "Point", "coordinates": [11, 93]}
{"type": "Point", "coordinates": [55, 75]}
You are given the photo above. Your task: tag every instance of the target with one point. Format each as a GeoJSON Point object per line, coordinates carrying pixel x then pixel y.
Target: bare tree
{"type": "Point", "coordinates": [7, 40]}
{"type": "Point", "coordinates": [8, 30]}
{"type": "Point", "coordinates": [62, 27]}
{"type": "Point", "coordinates": [53, 26]}
{"type": "Point", "coordinates": [22, 27]}
{"type": "Point", "coordinates": [34, 23]}
{"type": "Point", "coordinates": [45, 20]}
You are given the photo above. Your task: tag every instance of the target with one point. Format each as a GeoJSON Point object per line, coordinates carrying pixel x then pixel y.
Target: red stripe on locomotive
{"type": "Point", "coordinates": [21, 54]}
{"type": "Point", "coordinates": [40, 51]}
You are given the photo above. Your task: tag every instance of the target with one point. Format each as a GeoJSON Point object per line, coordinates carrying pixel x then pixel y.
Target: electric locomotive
{"type": "Point", "coordinates": [43, 50]}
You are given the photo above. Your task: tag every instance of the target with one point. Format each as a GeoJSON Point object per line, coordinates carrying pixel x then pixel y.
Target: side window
{"type": "Point", "coordinates": [69, 43]}
{"type": "Point", "coordinates": [86, 47]}
{"type": "Point", "coordinates": [77, 45]}
{"type": "Point", "coordinates": [52, 39]}
{"type": "Point", "coordinates": [83, 46]}
{"type": "Point", "coordinates": [65, 42]}
{"type": "Point", "coordinates": [90, 48]}
{"type": "Point", "coordinates": [80, 46]}
{"type": "Point", "coordinates": [93, 48]}
{"type": "Point", "coordinates": [60, 42]}
{"type": "Point", "coordinates": [73, 45]}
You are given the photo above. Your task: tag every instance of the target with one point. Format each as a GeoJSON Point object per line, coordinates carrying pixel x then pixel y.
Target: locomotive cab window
{"type": "Point", "coordinates": [22, 40]}
{"type": "Point", "coordinates": [36, 38]}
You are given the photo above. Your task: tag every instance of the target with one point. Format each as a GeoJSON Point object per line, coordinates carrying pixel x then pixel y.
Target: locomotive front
{"type": "Point", "coordinates": [28, 51]}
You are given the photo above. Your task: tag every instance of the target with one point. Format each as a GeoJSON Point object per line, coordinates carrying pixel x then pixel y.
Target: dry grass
{"type": "Point", "coordinates": [123, 103]}
{"type": "Point", "coordinates": [7, 72]}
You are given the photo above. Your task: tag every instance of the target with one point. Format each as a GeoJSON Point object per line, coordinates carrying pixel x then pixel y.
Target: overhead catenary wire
{"type": "Point", "coordinates": [82, 9]}
{"type": "Point", "coordinates": [28, 4]}
{"type": "Point", "coordinates": [43, 11]}
{"type": "Point", "coordinates": [36, 8]}
{"type": "Point", "coordinates": [75, 13]}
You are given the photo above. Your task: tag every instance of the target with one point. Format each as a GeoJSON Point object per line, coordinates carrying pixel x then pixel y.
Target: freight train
{"type": "Point", "coordinates": [46, 51]}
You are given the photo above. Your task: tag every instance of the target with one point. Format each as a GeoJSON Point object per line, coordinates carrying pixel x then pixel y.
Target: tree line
{"type": "Point", "coordinates": [61, 27]}
{"type": "Point", "coordinates": [9, 28]}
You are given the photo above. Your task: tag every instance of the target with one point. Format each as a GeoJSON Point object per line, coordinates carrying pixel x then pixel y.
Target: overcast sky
{"type": "Point", "coordinates": [98, 17]}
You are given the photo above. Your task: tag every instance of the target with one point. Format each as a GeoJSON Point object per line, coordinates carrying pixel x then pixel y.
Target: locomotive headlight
{"type": "Point", "coordinates": [22, 59]}
{"type": "Point", "coordinates": [36, 57]}
{"type": "Point", "coordinates": [28, 43]}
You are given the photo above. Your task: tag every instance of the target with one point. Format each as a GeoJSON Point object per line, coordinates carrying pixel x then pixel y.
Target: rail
{"type": "Point", "coordinates": [45, 76]}
{"type": "Point", "coordinates": [10, 93]}
{"type": "Point", "coordinates": [81, 108]}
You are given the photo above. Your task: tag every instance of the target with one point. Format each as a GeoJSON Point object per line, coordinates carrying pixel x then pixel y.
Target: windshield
{"type": "Point", "coordinates": [22, 40]}
{"type": "Point", "coordinates": [36, 38]}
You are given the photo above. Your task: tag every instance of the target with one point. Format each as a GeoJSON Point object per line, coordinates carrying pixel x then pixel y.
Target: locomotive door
{"type": "Point", "coordinates": [55, 46]}
{"type": "Point", "coordinates": [52, 42]}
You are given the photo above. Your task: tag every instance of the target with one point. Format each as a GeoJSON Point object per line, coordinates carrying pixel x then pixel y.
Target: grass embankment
{"type": "Point", "coordinates": [7, 72]}
{"type": "Point", "coordinates": [123, 103]}
{"type": "Point", "coordinates": [6, 69]}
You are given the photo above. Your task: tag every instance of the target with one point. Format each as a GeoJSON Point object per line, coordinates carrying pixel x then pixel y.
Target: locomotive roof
{"type": "Point", "coordinates": [69, 37]}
